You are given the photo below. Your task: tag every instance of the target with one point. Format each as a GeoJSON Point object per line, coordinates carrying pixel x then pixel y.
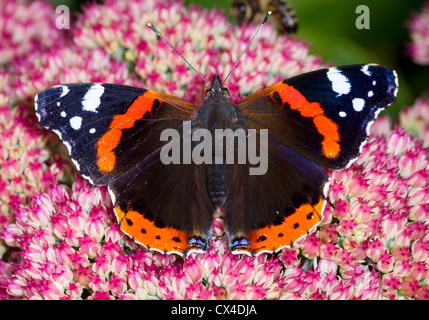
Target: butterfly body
{"type": "Point", "coordinates": [310, 122]}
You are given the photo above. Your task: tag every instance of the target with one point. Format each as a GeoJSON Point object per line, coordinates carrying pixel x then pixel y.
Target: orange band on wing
{"type": "Point", "coordinates": [325, 126]}
{"type": "Point", "coordinates": [146, 233]}
{"type": "Point", "coordinates": [110, 140]}
{"type": "Point", "coordinates": [294, 226]}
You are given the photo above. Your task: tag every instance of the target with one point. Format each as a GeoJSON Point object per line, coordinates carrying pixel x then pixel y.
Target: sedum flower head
{"type": "Point", "coordinates": [371, 244]}
{"type": "Point", "coordinates": [26, 26]}
{"type": "Point", "coordinates": [416, 119]}
{"type": "Point", "coordinates": [418, 25]}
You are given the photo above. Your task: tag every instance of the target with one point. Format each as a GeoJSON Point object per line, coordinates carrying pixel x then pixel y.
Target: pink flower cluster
{"type": "Point", "coordinates": [418, 25]}
{"type": "Point", "coordinates": [375, 233]}
{"type": "Point", "coordinates": [26, 26]}
{"type": "Point", "coordinates": [205, 38]}
{"type": "Point", "coordinates": [72, 248]}
{"type": "Point", "coordinates": [59, 238]}
{"type": "Point", "coordinates": [416, 119]}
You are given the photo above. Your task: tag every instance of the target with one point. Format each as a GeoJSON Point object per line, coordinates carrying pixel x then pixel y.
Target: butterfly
{"type": "Point", "coordinates": [253, 10]}
{"type": "Point", "coordinates": [315, 121]}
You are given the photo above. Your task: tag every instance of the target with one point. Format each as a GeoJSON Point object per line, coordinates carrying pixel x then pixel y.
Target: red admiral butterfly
{"type": "Point", "coordinates": [316, 120]}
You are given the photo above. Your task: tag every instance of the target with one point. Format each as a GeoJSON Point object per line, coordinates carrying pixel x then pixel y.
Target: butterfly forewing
{"type": "Point", "coordinates": [326, 114]}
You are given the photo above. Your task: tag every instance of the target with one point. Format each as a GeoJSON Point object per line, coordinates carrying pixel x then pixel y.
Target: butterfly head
{"type": "Point", "coordinates": [216, 90]}
{"type": "Point", "coordinates": [218, 111]}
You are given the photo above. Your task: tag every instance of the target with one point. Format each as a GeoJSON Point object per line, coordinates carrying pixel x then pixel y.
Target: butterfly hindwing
{"type": "Point", "coordinates": [264, 213]}
{"type": "Point", "coordinates": [165, 207]}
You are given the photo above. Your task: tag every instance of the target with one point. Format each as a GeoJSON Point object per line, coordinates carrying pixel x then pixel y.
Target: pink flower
{"type": "Point", "coordinates": [402, 268]}
{"type": "Point", "coordinates": [409, 286]}
{"type": "Point", "coordinates": [89, 246]}
{"type": "Point", "coordinates": [311, 246]}
{"type": "Point", "coordinates": [328, 250]}
{"type": "Point", "coordinates": [295, 284]}
{"type": "Point", "coordinates": [289, 256]}
{"type": "Point", "coordinates": [401, 253]}
{"type": "Point", "coordinates": [398, 142]}
{"type": "Point", "coordinates": [385, 262]}
{"type": "Point", "coordinates": [390, 282]}
{"type": "Point", "coordinates": [418, 270]}
{"type": "Point", "coordinates": [375, 249]}
{"type": "Point", "coordinates": [328, 232]}
{"type": "Point", "coordinates": [420, 251]}
{"type": "Point", "coordinates": [423, 292]}
{"type": "Point", "coordinates": [346, 227]}
{"type": "Point", "coordinates": [382, 126]}
{"type": "Point", "coordinates": [25, 28]}
{"type": "Point", "coordinates": [393, 223]}
{"type": "Point", "coordinates": [418, 24]}
{"type": "Point", "coordinates": [313, 280]}
{"type": "Point", "coordinates": [368, 286]}
{"type": "Point", "coordinates": [74, 291]}
{"type": "Point", "coordinates": [237, 291]}
{"type": "Point", "coordinates": [150, 283]}
{"type": "Point", "coordinates": [117, 285]}
{"type": "Point", "coordinates": [101, 295]}
{"type": "Point", "coordinates": [342, 291]}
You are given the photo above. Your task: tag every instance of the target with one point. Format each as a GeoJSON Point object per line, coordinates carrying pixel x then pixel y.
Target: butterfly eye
{"type": "Point", "coordinates": [206, 93]}
{"type": "Point", "coordinates": [226, 92]}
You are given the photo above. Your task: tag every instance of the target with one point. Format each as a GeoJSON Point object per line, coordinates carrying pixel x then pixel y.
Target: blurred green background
{"type": "Point", "coordinates": [329, 27]}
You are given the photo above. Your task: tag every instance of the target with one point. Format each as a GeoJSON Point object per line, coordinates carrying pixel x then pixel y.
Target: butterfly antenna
{"type": "Point", "coordinates": [251, 40]}
{"type": "Point", "coordinates": [175, 50]}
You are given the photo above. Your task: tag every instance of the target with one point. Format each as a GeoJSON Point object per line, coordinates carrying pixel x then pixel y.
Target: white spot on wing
{"type": "Point", "coordinates": [76, 122]}
{"type": "Point", "coordinates": [365, 70]}
{"type": "Point", "coordinates": [340, 83]}
{"type": "Point", "coordinates": [65, 90]}
{"type": "Point", "coordinates": [63, 114]}
{"type": "Point", "coordinates": [91, 101]}
{"type": "Point", "coordinates": [342, 114]}
{"type": "Point", "coordinates": [92, 130]}
{"type": "Point", "coordinates": [370, 93]}
{"type": "Point", "coordinates": [358, 104]}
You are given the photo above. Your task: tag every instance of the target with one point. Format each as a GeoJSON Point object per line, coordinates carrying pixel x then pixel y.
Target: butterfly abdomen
{"type": "Point", "coordinates": [216, 183]}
